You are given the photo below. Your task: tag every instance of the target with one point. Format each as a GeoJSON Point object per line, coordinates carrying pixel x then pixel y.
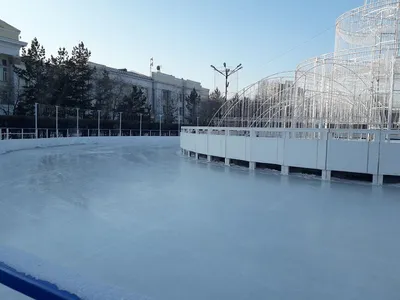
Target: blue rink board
{"type": "Point", "coordinates": [31, 287]}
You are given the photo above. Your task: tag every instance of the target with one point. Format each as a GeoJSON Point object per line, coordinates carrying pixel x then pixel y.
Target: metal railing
{"type": "Point", "coordinates": [32, 133]}
{"type": "Point", "coordinates": [368, 135]}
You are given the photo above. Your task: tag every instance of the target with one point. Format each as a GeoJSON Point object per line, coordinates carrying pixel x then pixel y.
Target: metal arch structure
{"type": "Point", "coordinates": [356, 86]}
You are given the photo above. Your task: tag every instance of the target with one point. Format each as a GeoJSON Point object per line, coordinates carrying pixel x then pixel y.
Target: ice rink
{"type": "Point", "coordinates": [138, 216]}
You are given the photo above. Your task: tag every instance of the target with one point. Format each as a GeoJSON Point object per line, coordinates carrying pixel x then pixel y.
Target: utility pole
{"type": "Point", "coordinates": [226, 72]}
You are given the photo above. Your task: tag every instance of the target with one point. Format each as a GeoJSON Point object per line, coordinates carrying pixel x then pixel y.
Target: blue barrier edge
{"type": "Point", "coordinates": [31, 287]}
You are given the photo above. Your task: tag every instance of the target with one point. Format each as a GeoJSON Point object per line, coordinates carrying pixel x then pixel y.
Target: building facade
{"type": "Point", "coordinates": [10, 46]}
{"type": "Point", "coordinates": [159, 88]}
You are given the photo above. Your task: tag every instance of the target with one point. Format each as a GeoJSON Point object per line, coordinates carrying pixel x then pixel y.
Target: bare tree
{"type": "Point", "coordinates": [9, 97]}
{"type": "Point", "coordinates": [170, 110]}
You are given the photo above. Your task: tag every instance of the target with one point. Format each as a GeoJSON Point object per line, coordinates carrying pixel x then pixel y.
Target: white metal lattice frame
{"type": "Point", "coordinates": [356, 86]}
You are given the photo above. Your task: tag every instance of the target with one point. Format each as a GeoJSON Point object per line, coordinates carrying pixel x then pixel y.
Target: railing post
{"type": "Point", "coordinates": [56, 121]}
{"type": "Point", "coordinates": [47, 133]}
{"type": "Point", "coordinates": [98, 122]}
{"type": "Point", "coordinates": [109, 132]}
{"type": "Point", "coordinates": [22, 134]}
{"type": "Point", "coordinates": [120, 124]}
{"type": "Point", "coordinates": [7, 134]}
{"type": "Point", "coordinates": [179, 125]}
{"type": "Point", "coordinates": [67, 132]}
{"type": "Point", "coordinates": [77, 122]}
{"type": "Point", "coordinates": [36, 120]}
{"type": "Point", "coordinates": [130, 132]}
{"type": "Point", "coordinates": [140, 125]}
{"type": "Point", "coordinates": [160, 127]}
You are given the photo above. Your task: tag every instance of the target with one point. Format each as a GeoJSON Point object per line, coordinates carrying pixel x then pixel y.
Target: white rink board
{"type": "Point", "coordinates": [325, 149]}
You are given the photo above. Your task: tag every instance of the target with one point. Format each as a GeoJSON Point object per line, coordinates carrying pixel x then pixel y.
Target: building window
{"type": "Point", "coordinates": [4, 70]}
{"type": "Point", "coordinates": [166, 95]}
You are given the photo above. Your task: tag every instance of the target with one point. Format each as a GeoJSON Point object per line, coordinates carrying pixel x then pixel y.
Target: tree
{"type": "Point", "coordinates": [208, 109]}
{"type": "Point", "coordinates": [81, 77]}
{"type": "Point", "coordinates": [119, 91]}
{"type": "Point", "coordinates": [60, 79]}
{"type": "Point", "coordinates": [192, 105]}
{"type": "Point", "coordinates": [134, 104]}
{"type": "Point", "coordinates": [170, 111]}
{"type": "Point", "coordinates": [104, 93]}
{"type": "Point", "coordinates": [7, 99]}
{"type": "Point", "coordinates": [216, 96]}
{"type": "Point", "coordinates": [34, 74]}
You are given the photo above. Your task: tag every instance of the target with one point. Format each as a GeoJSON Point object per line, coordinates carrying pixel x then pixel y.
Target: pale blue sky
{"type": "Point", "coordinates": [185, 37]}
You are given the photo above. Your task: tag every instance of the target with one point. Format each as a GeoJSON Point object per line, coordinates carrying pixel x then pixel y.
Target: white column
{"type": "Point", "coordinates": [285, 170]}
{"type": "Point", "coordinates": [227, 161]}
{"type": "Point", "coordinates": [326, 175]}
{"type": "Point", "coordinates": [208, 158]}
{"type": "Point", "coordinates": [377, 179]}
{"type": "Point", "coordinates": [196, 155]}
{"type": "Point", "coordinates": [252, 165]}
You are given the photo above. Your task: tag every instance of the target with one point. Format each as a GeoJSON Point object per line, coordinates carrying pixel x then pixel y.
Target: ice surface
{"type": "Point", "coordinates": [138, 217]}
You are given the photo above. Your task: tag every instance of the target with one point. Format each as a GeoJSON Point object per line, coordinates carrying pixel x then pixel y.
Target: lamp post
{"type": "Point", "coordinates": [226, 72]}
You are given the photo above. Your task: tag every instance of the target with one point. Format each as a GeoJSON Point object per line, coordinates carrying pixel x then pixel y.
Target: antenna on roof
{"type": "Point", "coordinates": [151, 65]}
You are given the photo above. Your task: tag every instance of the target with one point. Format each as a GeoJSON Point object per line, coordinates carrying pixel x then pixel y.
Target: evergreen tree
{"type": "Point", "coordinates": [104, 94]}
{"type": "Point", "coordinates": [170, 111]}
{"type": "Point", "coordinates": [216, 96]}
{"type": "Point", "coordinates": [119, 90]}
{"type": "Point", "coordinates": [60, 78]}
{"type": "Point", "coordinates": [81, 77]}
{"type": "Point", "coordinates": [6, 98]}
{"type": "Point", "coordinates": [192, 106]}
{"type": "Point", "coordinates": [208, 109]}
{"type": "Point", "coordinates": [134, 104]}
{"type": "Point", "coordinates": [34, 74]}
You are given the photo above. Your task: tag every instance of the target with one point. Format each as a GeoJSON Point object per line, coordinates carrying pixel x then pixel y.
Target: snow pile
{"type": "Point", "coordinates": [64, 279]}
{"type": "Point", "coordinates": [7, 146]}
{"type": "Point", "coordinates": [16, 145]}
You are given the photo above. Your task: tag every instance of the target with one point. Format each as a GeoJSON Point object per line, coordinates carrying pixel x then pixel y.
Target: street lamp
{"type": "Point", "coordinates": [226, 73]}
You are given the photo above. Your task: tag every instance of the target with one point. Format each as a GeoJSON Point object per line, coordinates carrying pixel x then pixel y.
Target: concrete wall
{"type": "Point", "coordinates": [360, 151]}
